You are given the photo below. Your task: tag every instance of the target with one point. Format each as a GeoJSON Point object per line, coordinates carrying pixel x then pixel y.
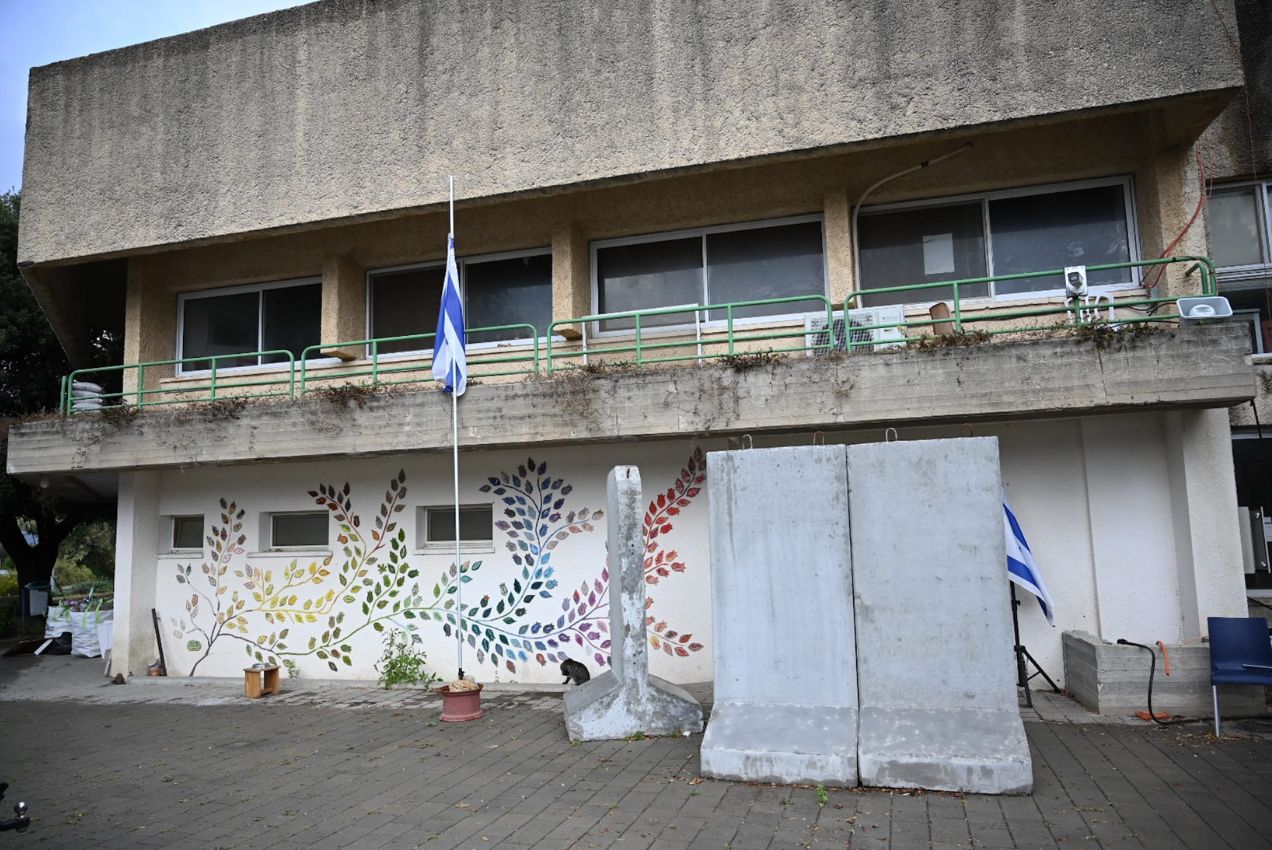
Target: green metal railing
{"type": "Point", "coordinates": [210, 384]}
{"type": "Point", "coordinates": [645, 337]}
{"type": "Point", "coordinates": [1073, 313]}
{"type": "Point", "coordinates": [711, 338]}
{"type": "Point", "coordinates": [417, 363]}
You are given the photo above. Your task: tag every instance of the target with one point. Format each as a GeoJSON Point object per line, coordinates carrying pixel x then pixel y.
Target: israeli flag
{"type": "Point", "coordinates": [449, 364]}
{"type": "Point", "coordinates": [1020, 563]}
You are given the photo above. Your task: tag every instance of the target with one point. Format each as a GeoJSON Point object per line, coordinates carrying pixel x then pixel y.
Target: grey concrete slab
{"type": "Point", "coordinates": [934, 640]}
{"type": "Point", "coordinates": [626, 700]}
{"type": "Point", "coordinates": [781, 589]}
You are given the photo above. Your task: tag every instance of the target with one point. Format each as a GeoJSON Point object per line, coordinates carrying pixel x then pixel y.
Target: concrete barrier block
{"type": "Point", "coordinates": [626, 699]}
{"type": "Point", "coordinates": [938, 702]}
{"type": "Point", "coordinates": [781, 588]}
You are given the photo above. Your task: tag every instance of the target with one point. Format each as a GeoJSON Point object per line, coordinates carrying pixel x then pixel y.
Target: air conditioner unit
{"type": "Point", "coordinates": [860, 330]}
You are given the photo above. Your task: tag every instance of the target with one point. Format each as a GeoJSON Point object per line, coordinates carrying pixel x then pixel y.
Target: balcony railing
{"type": "Point", "coordinates": [659, 337]}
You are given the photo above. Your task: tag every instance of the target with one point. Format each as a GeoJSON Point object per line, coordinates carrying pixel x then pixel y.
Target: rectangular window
{"type": "Point", "coordinates": [717, 265]}
{"type": "Point", "coordinates": [922, 245]}
{"type": "Point", "coordinates": [498, 290]}
{"type": "Point", "coordinates": [307, 530]}
{"type": "Point", "coordinates": [999, 233]}
{"type": "Point", "coordinates": [187, 533]}
{"type": "Point", "coordinates": [437, 524]}
{"type": "Point", "coordinates": [1239, 229]}
{"type": "Point", "coordinates": [244, 320]}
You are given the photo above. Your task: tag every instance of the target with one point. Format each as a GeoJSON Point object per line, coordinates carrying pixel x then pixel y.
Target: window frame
{"type": "Point", "coordinates": [701, 233]}
{"type": "Point", "coordinates": [424, 544]}
{"type": "Point", "coordinates": [239, 289]}
{"type": "Point", "coordinates": [172, 534]}
{"type": "Point", "coordinates": [1255, 274]}
{"type": "Point", "coordinates": [461, 262]}
{"type": "Point", "coordinates": [268, 531]}
{"type": "Point", "coordinates": [1126, 181]}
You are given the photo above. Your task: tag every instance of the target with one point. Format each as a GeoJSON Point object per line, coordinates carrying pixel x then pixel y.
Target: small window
{"type": "Point", "coordinates": [187, 533]}
{"type": "Point", "coordinates": [497, 291]}
{"type": "Point", "coordinates": [925, 245]}
{"type": "Point", "coordinates": [512, 291]}
{"type": "Point", "coordinates": [299, 531]}
{"type": "Point", "coordinates": [271, 317]}
{"type": "Point", "coordinates": [475, 524]}
{"type": "Point", "coordinates": [646, 276]}
{"type": "Point", "coordinates": [1236, 218]}
{"type": "Point", "coordinates": [1085, 227]}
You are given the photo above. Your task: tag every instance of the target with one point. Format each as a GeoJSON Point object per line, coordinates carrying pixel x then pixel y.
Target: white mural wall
{"type": "Point", "coordinates": [537, 594]}
{"type": "Point", "coordinates": [1093, 497]}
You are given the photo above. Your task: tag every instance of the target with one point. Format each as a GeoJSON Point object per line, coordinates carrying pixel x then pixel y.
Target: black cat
{"type": "Point", "coordinates": [575, 672]}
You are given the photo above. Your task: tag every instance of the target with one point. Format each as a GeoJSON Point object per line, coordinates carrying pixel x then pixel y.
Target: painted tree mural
{"type": "Point", "coordinates": [372, 583]}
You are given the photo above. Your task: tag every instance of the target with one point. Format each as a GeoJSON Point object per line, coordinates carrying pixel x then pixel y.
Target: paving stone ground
{"type": "Point", "coordinates": [193, 765]}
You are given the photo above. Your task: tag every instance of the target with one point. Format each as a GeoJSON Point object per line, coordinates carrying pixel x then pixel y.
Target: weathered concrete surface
{"type": "Point", "coordinates": [625, 699]}
{"type": "Point", "coordinates": [1196, 367]}
{"type": "Point", "coordinates": [136, 551]}
{"type": "Point", "coordinates": [1235, 137]}
{"type": "Point", "coordinates": [781, 589]}
{"type": "Point", "coordinates": [347, 108]}
{"type": "Point", "coordinates": [934, 639]}
{"type": "Point", "coordinates": [1112, 679]}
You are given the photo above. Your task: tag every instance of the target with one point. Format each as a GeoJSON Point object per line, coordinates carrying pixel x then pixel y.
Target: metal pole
{"type": "Point", "coordinates": [459, 581]}
{"type": "Point", "coordinates": [459, 578]}
{"type": "Point", "coordinates": [1022, 679]}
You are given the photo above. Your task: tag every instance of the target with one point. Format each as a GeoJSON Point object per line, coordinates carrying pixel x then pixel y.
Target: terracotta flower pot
{"type": "Point", "coordinates": [460, 705]}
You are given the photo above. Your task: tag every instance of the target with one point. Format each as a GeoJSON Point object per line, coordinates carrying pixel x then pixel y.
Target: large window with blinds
{"type": "Point", "coordinates": [757, 261]}
{"type": "Point", "coordinates": [506, 291]}
{"type": "Point", "coordinates": [246, 320]}
{"type": "Point", "coordinates": [1013, 232]}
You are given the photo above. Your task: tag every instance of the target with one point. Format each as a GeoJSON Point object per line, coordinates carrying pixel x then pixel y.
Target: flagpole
{"type": "Point", "coordinates": [459, 580]}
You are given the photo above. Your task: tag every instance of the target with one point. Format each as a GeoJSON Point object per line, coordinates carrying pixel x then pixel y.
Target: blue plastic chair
{"type": "Point", "coordinates": [1240, 654]}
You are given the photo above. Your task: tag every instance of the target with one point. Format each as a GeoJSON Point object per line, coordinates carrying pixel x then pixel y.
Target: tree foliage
{"type": "Point", "coordinates": [31, 365]}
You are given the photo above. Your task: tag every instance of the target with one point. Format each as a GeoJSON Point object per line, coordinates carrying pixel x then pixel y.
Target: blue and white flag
{"type": "Point", "coordinates": [449, 363]}
{"type": "Point", "coordinates": [1020, 563]}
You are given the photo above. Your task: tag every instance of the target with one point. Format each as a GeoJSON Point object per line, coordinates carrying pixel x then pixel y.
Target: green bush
{"type": "Point", "coordinates": [9, 584]}
{"type": "Point", "coordinates": [402, 663]}
{"type": "Point", "coordinates": [73, 574]}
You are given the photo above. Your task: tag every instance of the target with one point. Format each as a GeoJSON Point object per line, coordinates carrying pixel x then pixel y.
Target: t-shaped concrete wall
{"type": "Point", "coordinates": [862, 619]}
{"type": "Point", "coordinates": [625, 699]}
{"type": "Point", "coordinates": [934, 638]}
{"type": "Point", "coordinates": [781, 589]}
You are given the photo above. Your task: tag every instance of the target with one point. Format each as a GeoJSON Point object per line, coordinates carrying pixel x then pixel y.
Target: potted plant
{"type": "Point", "coordinates": [461, 700]}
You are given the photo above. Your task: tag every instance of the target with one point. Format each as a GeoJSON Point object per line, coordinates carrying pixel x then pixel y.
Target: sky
{"type": "Point", "coordinates": [37, 32]}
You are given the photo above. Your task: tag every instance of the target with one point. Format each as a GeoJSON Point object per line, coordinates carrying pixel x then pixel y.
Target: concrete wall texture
{"type": "Point", "coordinates": [934, 634]}
{"type": "Point", "coordinates": [1240, 140]}
{"type": "Point", "coordinates": [784, 641]}
{"type": "Point", "coordinates": [346, 108]}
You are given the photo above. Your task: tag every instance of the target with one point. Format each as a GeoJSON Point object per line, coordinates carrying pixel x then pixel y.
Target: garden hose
{"type": "Point", "coordinates": [1152, 670]}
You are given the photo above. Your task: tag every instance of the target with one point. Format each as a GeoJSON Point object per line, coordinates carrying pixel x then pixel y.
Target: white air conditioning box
{"type": "Point", "coordinates": [862, 330]}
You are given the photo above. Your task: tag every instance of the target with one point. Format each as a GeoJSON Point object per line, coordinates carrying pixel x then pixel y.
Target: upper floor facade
{"type": "Point", "coordinates": [260, 207]}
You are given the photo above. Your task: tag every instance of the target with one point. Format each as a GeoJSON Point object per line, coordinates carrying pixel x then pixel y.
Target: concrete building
{"type": "Point", "coordinates": [260, 207]}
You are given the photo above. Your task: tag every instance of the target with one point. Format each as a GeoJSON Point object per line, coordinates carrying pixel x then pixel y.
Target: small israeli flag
{"type": "Point", "coordinates": [449, 363]}
{"type": "Point", "coordinates": [1020, 563]}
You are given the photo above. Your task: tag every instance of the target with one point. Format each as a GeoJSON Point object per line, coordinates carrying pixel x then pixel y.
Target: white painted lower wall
{"type": "Point", "coordinates": [1098, 499]}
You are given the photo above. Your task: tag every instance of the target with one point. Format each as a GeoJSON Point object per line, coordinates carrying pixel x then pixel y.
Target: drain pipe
{"type": "Point", "coordinates": [856, 253]}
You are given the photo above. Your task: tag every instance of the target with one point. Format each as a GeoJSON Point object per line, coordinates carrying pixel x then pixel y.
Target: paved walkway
{"type": "Point", "coordinates": [191, 765]}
